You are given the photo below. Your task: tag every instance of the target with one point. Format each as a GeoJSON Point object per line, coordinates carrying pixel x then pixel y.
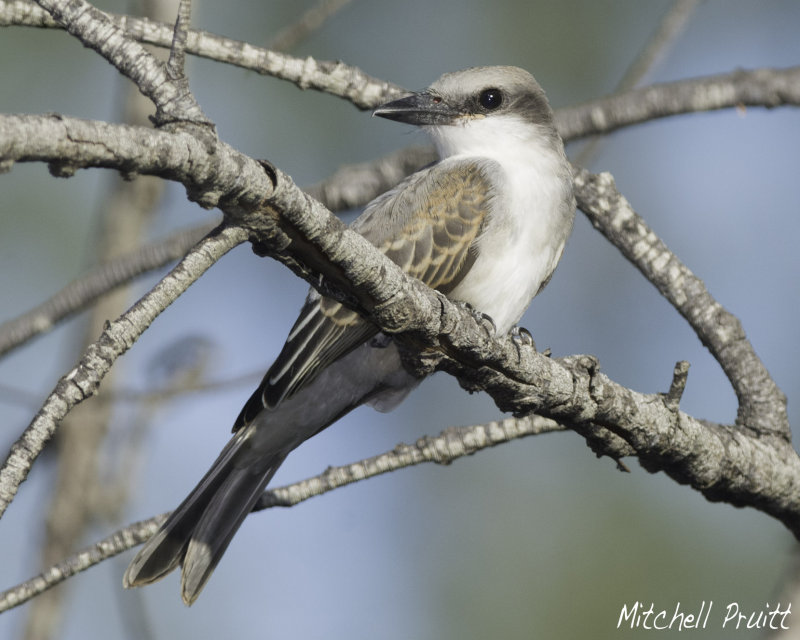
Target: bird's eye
{"type": "Point", "coordinates": [490, 99]}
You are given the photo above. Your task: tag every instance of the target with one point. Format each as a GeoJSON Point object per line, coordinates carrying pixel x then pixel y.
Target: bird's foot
{"type": "Point", "coordinates": [380, 341]}
{"type": "Point", "coordinates": [483, 319]}
{"type": "Point", "coordinates": [521, 337]}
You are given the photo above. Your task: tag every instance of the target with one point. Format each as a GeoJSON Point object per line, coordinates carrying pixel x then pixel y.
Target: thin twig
{"type": "Point", "coordinates": [79, 496]}
{"type": "Point", "coordinates": [335, 78]}
{"type": "Point", "coordinates": [670, 27]}
{"type": "Point", "coordinates": [100, 280]}
{"type": "Point", "coordinates": [116, 543]}
{"type": "Point", "coordinates": [680, 375]}
{"type": "Point", "coordinates": [83, 381]}
{"type": "Point", "coordinates": [757, 88]}
{"type": "Point", "coordinates": [761, 88]}
{"type": "Point", "coordinates": [176, 65]}
{"type": "Point", "coordinates": [451, 444]}
{"type": "Point", "coordinates": [311, 21]}
{"type": "Point", "coordinates": [97, 31]}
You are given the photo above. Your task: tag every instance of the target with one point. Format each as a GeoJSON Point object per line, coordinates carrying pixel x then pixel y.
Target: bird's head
{"type": "Point", "coordinates": [476, 107]}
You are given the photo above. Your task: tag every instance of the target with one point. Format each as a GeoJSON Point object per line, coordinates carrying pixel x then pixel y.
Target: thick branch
{"type": "Point", "coordinates": [304, 235]}
{"type": "Point", "coordinates": [762, 405]}
{"type": "Point", "coordinates": [348, 188]}
{"type": "Point", "coordinates": [723, 463]}
{"type": "Point", "coordinates": [716, 460]}
{"type": "Point", "coordinates": [218, 177]}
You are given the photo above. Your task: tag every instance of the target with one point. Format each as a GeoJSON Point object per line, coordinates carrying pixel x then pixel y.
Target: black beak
{"type": "Point", "coordinates": [420, 109]}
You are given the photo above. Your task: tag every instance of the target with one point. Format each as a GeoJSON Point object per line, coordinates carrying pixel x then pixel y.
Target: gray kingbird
{"type": "Point", "coordinates": [485, 225]}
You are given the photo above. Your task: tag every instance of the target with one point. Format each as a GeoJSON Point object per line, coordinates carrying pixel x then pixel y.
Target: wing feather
{"type": "Point", "coordinates": [428, 226]}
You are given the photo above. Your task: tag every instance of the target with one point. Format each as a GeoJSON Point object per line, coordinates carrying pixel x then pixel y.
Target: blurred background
{"type": "Point", "coordinates": [537, 538]}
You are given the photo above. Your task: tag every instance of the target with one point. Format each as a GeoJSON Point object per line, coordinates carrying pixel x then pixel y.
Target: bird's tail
{"type": "Point", "coordinates": [197, 533]}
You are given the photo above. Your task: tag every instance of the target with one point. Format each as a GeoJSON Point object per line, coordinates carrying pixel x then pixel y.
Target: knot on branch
{"type": "Point", "coordinates": [61, 169]}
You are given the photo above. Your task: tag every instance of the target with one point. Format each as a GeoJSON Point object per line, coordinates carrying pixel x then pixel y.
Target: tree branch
{"type": "Point", "coordinates": [349, 187]}
{"type": "Point", "coordinates": [723, 463]}
{"type": "Point", "coordinates": [223, 178]}
{"type": "Point", "coordinates": [353, 186]}
{"type": "Point", "coordinates": [449, 445]}
{"type": "Point", "coordinates": [301, 233]}
{"type": "Point", "coordinates": [759, 88]}
{"type": "Point", "coordinates": [753, 466]}
{"type": "Point", "coordinates": [176, 65]}
{"type": "Point", "coordinates": [310, 21]}
{"type": "Point", "coordinates": [83, 381]}
{"type": "Point", "coordinates": [174, 102]}
{"type": "Point", "coordinates": [104, 278]}
{"type": "Point", "coordinates": [80, 494]}
{"type": "Point", "coordinates": [118, 542]}
{"type": "Point", "coordinates": [762, 405]}
{"type": "Point", "coordinates": [336, 78]}
{"type": "Point", "coordinates": [669, 28]}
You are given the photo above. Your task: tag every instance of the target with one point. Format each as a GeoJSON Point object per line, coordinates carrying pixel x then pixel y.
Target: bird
{"type": "Point", "coordinates": [485, 225]}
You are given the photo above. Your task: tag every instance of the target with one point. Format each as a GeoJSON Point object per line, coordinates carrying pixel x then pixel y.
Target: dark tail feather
{"type": "Point", "coordinates": [197, 533]}
{"type": "Point", "coordinates": [221, 519]}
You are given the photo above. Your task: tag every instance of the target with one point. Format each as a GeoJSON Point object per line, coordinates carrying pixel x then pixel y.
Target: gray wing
{"type": "Point", "coordinates": [427, 225]}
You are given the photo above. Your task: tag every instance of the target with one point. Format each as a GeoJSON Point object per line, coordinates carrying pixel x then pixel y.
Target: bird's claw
{"type": "Point", "coordinates": [483, 319]}
{"type": "Point", "coordinates": [521, 337]}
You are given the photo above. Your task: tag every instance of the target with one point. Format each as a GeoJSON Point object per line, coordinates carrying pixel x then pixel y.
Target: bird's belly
{"type": "Point", "coordinates": [503, 288]}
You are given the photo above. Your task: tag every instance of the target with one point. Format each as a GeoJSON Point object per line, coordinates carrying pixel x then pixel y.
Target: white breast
{"type": "Point", "coordinates": [531, 218]}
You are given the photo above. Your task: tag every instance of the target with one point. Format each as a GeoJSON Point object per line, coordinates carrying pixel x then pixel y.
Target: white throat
{"type": "Point", "coordinates": [500, 137]}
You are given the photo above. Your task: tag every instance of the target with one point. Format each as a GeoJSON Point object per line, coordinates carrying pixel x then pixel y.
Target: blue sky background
{"type": "Point", "coordinates": [535, 538]}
